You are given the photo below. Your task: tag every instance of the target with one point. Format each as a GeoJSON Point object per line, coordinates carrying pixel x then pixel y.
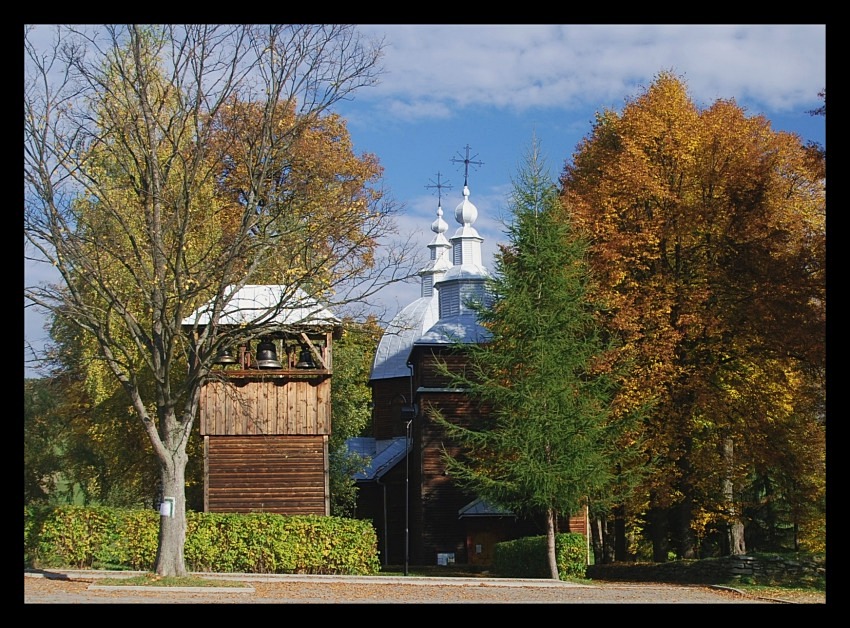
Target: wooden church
{"type": "Point", "coordinates": [265, 415]}
{"type": "Point", "coordinates": [419, 514]}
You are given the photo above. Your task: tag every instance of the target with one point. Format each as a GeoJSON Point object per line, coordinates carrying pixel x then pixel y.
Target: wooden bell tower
{"type": "Point", "coordinates": [265, 419]}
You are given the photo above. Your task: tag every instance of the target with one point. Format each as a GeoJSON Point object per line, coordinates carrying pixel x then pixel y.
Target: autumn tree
{"type": "Point", "coordinates": [816, 150]}
{"type": "Point", "coordinates": [44, 441]}
{"type": "Point", "coordinates": [351, 395]}
{"type": "Point", "coordinates": [328, 182]}
{"type": "Point", "coordinates": [107, 460]}
{"type": "Point", "coordinates": [145, 213]}
{"type": "Point", "coordinates": [707, 232]}
{"type": "Point", "coordinates": [549, 441]}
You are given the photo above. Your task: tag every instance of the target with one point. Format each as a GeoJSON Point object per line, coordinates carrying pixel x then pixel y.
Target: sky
{"type": "Point", "coordinates": [493, 88]}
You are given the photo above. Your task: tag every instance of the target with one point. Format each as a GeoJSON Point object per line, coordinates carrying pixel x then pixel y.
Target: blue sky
{"type": "Point", "coordinates": [494, 87]}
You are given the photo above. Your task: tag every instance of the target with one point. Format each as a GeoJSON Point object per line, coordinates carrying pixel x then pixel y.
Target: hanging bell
{"type": "Point", "coordinates": [267, 355]}
{"type": "Point", "coordinates": [224, 356]}
{"type": "Point", "coordinates": [305, 361]}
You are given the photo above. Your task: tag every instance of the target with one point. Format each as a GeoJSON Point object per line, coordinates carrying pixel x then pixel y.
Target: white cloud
{"type": "Point", "coordinates": [520, 67]}
{"type": "Point", "coordinates": [546, 78]}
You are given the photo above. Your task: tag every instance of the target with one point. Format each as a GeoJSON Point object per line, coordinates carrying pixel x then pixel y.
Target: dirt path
{"type": "Point", "coordinates": [41, 590]}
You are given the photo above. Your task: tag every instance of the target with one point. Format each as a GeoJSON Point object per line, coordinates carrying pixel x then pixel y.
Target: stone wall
{"type": "Point", "coordinates": [728, 569]}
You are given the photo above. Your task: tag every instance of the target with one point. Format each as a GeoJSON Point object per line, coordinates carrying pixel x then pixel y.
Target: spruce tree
{"type": "Point", "coordinates": [547, 443]}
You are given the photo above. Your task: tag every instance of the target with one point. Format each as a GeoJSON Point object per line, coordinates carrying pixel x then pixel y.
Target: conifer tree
{"type": "Point", "coordinates": [547, 442]}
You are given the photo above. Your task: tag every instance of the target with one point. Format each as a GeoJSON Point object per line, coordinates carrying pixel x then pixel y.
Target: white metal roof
{"type": "Point", "coordinates": [463, 328]}
{"type": "Point", "coordinates": [407, 326]}
{"type": "Point", "coordinates": [459, 278]}
{"type": "Point", "coordinates": [262, 304]}
{"type": "Point", "coordinates": [384, 454]}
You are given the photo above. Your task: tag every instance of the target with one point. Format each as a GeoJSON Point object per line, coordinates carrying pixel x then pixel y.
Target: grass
{"type": "Point", "coordinates": [775, 588]}
{"type": "Point", "coordinates": [811, 587]}
{"type": "Point", "coordinates": [798, 594]}
{"type": "Point", "coordinates": [804, 591]}
{"type": "Point", "coordinates": [153, 580]}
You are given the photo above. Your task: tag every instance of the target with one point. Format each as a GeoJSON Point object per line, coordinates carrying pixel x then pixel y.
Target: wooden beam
{"type": "Point", "coordinates": [316, 353]}
{"type": "Point", "coordinates": [206, 473]}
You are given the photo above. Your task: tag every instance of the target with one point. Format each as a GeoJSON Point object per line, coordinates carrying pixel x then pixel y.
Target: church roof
{"type": "Point", "coordinates": [463, 328]}
{"type": "Point", "coordinates": [441, 316]}
{"type": "Point", "coordinates": [266, 304]}
{"type": "Point", "coordinates": [482, 508]}
{"type": "Point", "coordinates": [383, 454]}
{"type": "Point", "coordinates": [394, 347]}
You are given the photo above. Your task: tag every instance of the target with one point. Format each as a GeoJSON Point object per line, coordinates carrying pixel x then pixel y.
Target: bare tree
{"type": "Point", "coordinates": [157, 176]}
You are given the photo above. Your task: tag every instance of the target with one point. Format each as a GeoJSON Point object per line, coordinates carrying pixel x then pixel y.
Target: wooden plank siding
{"type": "Point", "coordinates": [275, 405]}
{"type": "Point", "coordinates": [578, 523]}
{"type": "Point", "coordinates": [429, 375]}
{"type": "Point", "coordinates": [280, 474]}
{"type": "Point", "coordinates": [388, 396]}
{"type": "Point", "coordinates": [383, 503]}
{"type": "Point", "coordinates": [436, 514]}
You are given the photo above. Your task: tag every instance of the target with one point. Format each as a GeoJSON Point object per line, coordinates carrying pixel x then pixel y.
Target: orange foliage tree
{"type": "Point", "coordinates": [707, 233]}
{"type": "Point", "coordinates": [321, 196]}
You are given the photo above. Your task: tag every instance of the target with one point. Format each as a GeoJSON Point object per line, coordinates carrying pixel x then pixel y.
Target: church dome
{"type": "Point", "coordinates": [466, 213]}
{"type": "Point", "coordinates": [455, 277]}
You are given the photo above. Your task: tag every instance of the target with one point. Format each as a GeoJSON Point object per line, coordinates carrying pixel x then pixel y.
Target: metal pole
{"type": "Point", "coordinates": [407, 476]}
{"type": "Point", "coordinates": [407, 497]}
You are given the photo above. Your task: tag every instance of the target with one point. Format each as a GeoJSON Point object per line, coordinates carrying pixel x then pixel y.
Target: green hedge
{"type": "Point", "coordinates": [527, 557]}
{"type": "Point", "coordinates": [114, 538]}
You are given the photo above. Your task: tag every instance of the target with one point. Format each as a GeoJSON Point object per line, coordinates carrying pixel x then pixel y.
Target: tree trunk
{"type": "Point", "coordinates": [597, 535]}
{"type": "Point", "coordinates": [550, 545]}
{"type": "Point", "coordinates": [172, 521]}
{"type": "Point", "coordinates": [682, 513]}
{"type": "Point", "coordinates": [736, 539]}
{"type": "Point", "coordinates": [685, 542]}
{"type": "Point", "coordinates": [609, 541]}
{"type": "Point", "coordinates": [658, 533]}
{"type": "Point", "coordinates": [620, 545]}
{"type": "Point", "coordinates": [735, 531]}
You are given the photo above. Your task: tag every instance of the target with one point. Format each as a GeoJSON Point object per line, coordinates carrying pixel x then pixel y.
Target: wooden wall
{"type": "Point", "coordinates": [440, 529]}
{"type": "Point", "coordinates": [280, 474]}
{"type": "Point", "coordinates": [388, 397]}
{"type": "Point", "coordinates": [266, 406]}
{"type": "Point", "coordinates": [384, 503]}
{"type": "Point", "coordinates": [482, 535]}
{"type": "Point", "coordinates": [577, 523]}
{"type": "Point", "coordinates": [428, 373]}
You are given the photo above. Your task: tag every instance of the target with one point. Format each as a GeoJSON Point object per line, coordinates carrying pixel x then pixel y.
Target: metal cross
{"type": "Point", "coordinates": [466, 161]}
{"type": "Point", "coordinates": [439, 187]}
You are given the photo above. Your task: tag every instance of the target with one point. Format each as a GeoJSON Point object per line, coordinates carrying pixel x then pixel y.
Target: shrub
{"type": "Point", "coordinates": [527, 557]}
{"type": "Point", "coordinates": [109, 538]}
{"type": "Point", "coordinates": [70, 536]}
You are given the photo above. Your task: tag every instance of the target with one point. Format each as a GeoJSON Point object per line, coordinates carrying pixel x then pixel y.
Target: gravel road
{"type": "Point", "coordinates": [80, 589]}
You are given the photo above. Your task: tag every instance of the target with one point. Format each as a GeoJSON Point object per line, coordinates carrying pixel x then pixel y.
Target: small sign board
{"type": "Point", "coordinates": [445, 558]}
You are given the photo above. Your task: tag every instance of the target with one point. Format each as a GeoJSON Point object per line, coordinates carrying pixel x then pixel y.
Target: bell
{"type": "Point", "coordinates": [305, 361]}
{"type": "Point", "coordinates": [267, 355]}
{"type": "Point", "coordinates": [225, 357]}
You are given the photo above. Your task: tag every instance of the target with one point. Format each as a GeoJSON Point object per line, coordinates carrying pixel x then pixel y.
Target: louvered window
{"type": "Point", "coordinates": [449, 301]}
